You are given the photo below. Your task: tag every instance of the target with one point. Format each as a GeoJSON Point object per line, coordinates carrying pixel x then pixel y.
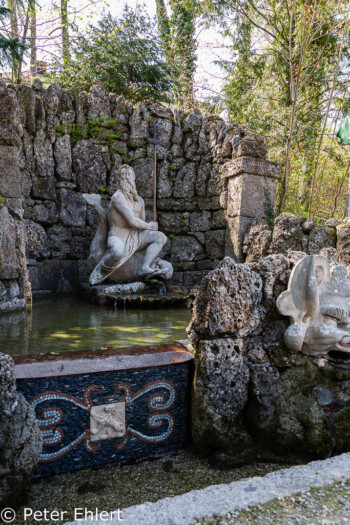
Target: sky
{"type": "Point", "coordinates": [208, 78]}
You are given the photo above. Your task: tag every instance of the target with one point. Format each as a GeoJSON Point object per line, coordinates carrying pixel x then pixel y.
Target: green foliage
{"type": "Point", "coordinates": [96, 127]}
{"type": "Point", "coordinates": [183, 222]}
{"type": "Point", "coordinates": [284, 81]}
{"type": "Point", "coordinates": [2, 200]}
{"type": "Point", "coordinates": [11, 48]}
{"type": "Point", "coordinates": [123, 53]}
{"type": "Point", "coordinates": [177, 32]}
{"type": "Point", "coordinates": [102, 190]}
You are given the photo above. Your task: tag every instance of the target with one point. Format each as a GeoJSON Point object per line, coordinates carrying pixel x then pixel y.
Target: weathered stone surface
{"type": "Point", "coordinates": [274, 271]}
{"type": "Point", "coordinates": [287, 234]}
{"type": "Point", "coordinates": [220, 394]}
{"type": "Point", "coordinates": [36, 245]}
{"type": "Point", "coordinates": [321, 237]}
{"type": "Point", "coordinates": [164, 129]}
{"type": "Point", "coordinates": [144, 177]}
{"type": "Point", "coordinates": [250, 196]}
{"type": "Point", "coordinates": [204, 172]}
{"type": "Point", "coordinates": [63, 158]}
{"type": "Point", "coordinates": [58, 239]}
{"type": "Point", "coordinates": [20, 438]}
{"type": "Point", "coordinates": [172, 222]}
{"type": "Point", "coordinates": [44, 163]}
{"type": "Point", "coordinates": [139, 127]}
{"type": "Point", "coordinates": [89, 167]}
{"type": "Point", "coordinates": [333, 223]}
{"type": "Point", "coordinates": [185, 248]}
{"type": "Point", "coordinates": [252, 146]}
{"type": "Point", "coordinates": [307, 225]}
{"type": "Point", "coordinates": [185, 182]}
{"type": "Point", "coordinates": [43, 212]}
{"type": "Point", "coordinates": [343, 243]}
{"type": "Point", "coordinates": [252, 166]}
{"type": "Point", "coordinates": [164, 187]}
{"type": "Point", "coordinates": [9, 262]}
{"type": "Point", "coordinates": [99, 102]}
{"type": "Point", "coordinates": [219, 220]}
{"type": "Point", "coordinates": [236, 231]}
{"type": "Point", "coordinates": [11, 296]}
{"type": "Point", "coordinates": [200, 221]}
{"type": "Point", "coordinates": [192, 278]}
{"type": "Point", "coordinates": [10, 129]}
{"type": "Point", "coordinates": [215, 243]}
{"type": "Point", "coordinates": [45, 275]}
{"type": "Point", "coordinates": [10, 179]}
{"type": "Point", "coordinates": [215, 182]}
{"type": "Point", "coordinates": [72, 209]}
{"type": "Point", "coordinates": [228, 301]}
{"type": "Point", "coordinates": [257, 242]}
{"type": "Point", "coordinates": [26, 101]}
{"type": "Point", "coordinates": [294, 406]}
{"type": "Point", "coordinates": [43, 188]}
{"type": "Point", "coordinates": [114, 174]}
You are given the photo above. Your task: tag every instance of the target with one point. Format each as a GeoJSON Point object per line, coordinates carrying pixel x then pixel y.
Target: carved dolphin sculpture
{"type": "Point", "coordinates": [317, 302]}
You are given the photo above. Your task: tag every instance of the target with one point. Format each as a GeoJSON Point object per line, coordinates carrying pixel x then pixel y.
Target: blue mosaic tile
{"type": "Point", "coordinates": [157, 401]}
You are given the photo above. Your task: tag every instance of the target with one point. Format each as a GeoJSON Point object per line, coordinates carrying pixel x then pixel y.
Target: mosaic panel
{"type": "Point", "coordinates": [118, 416]}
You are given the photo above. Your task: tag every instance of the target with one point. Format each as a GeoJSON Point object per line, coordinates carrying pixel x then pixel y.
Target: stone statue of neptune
{"type": "Point", "coordinates": [125, 248]}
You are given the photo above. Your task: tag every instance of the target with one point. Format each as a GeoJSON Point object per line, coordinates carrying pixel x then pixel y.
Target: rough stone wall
{"type": "Point", "coordinates": [54, 147]}
{"type": "Point", "coordinates": [20, 438]}
{"type": "Point", "coordinates": [14, 285]}
{"type": "Point", "coordinates": [291, 234]}
{"type": "Point", "coordinates": [252, 397]}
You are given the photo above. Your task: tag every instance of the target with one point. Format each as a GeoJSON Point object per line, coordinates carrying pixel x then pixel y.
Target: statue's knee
{"type": "Point", "coordinates": [116, 253]}
{"type": "Point", "coordinates": [161, 238]}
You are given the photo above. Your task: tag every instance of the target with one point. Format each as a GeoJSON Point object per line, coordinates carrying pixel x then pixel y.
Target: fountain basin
{"type": "Point", "coordinates": [115, 405]}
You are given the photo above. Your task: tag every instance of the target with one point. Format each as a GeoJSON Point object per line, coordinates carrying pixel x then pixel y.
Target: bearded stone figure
{"type": "Point", "coordinates": [125, 248]}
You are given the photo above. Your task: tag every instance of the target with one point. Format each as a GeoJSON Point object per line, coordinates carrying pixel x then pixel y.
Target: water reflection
{"type": "Point", "coordinates": [62, 324]}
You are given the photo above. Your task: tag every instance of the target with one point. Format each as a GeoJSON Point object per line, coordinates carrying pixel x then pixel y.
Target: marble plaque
{"type": "Point", "coordinates": [107, 421]}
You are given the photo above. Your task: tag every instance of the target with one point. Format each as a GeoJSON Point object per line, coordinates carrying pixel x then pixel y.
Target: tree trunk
{"type": "Point", "coordinates": [32, 41]}
{"type": "Point", "coordinates": [65, 34]}
{"type": "Point", "coordinates": [11, 4]}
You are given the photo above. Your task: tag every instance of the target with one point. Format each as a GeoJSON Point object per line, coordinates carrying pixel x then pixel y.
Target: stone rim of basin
{"type": "Point", "coordinates": [82, 362]}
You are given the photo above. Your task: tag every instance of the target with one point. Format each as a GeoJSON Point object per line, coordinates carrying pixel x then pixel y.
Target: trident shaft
{"type": "Point", "coordinates": [155, 174]}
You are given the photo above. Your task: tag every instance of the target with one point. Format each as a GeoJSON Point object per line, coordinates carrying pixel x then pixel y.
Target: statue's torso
{"type": "Point", "coordinates": [118, 225]}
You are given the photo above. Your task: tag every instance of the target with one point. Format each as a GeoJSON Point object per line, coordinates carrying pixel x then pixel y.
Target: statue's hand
{"type": "Point", "coordinates": [153, 226]}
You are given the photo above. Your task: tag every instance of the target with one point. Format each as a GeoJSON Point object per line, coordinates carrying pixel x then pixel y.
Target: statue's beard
{"type": "Point", "coordinates": [129, 190]}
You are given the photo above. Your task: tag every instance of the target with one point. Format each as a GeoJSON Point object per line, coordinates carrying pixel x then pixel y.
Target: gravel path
{"type": "Point", "coordinates": [117, 486]}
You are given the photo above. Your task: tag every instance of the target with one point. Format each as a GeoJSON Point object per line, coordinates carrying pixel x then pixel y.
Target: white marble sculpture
{"type": "Point", "coordinates": [318, 304]}
{"type": "Point", "coordinates": [125, 248]}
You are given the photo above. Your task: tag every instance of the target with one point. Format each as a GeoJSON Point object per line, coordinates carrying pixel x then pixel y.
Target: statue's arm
{"type": "Point", "coordinates": [143, 211]}
{"type": "Point", "coordinates": [124, 209]}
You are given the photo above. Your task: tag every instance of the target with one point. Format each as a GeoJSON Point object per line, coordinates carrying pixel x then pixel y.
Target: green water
{"type": "Point", "coordinates": [63, 324]}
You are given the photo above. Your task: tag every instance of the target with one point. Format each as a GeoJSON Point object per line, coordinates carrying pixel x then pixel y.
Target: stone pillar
{"type": "Point", "coordinates": [15, 289]}
{"type": "Point", "coordinates": [250, 195]}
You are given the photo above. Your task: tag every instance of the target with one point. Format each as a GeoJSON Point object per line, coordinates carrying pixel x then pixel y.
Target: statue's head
{"type": "Point", "coordinates": [318, 304]}
{"type": "Point", "coordinates": [126, 182]}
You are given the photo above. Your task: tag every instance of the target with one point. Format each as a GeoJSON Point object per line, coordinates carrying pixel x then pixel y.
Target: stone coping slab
{"type": "Point", "coordinates": [93, 361]}
{"type": "Point", "coordinates": [222, 499]}
{"type": "Point", "coordinates": [254, 166]}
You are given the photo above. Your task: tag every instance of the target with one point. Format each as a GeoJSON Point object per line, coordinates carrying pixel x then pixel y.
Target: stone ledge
{"type": "Point", "coordinates": [253, 166]}
{"type": "Point", "coordinates": [218, 500]}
